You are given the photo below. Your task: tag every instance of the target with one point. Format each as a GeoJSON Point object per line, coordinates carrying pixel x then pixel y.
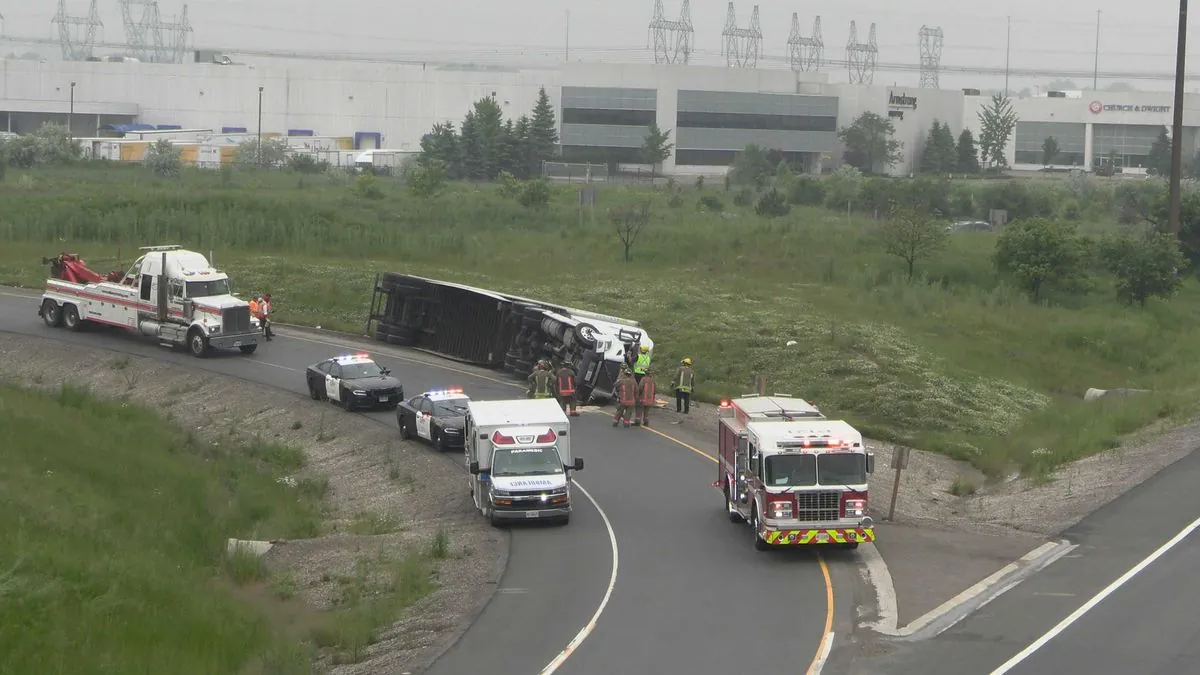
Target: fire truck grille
{"type": "Point", "coordinates": [235, 320]}
{"type": "Point", "coordinates": [818, 506]}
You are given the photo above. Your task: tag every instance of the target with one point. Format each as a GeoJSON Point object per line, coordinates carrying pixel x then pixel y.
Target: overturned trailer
{"type": "Point", "coordinates": [498, 330]}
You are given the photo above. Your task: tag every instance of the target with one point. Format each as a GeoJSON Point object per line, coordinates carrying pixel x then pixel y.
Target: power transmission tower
{"type": "Point", "coordinates": [141, 33]}
{"type": "Point", "coordinates": [77, 34]}
{"type": "Point", "coordinates": [806, 53]}
{"type": "Point", "coordinates": [931, 55]}
{"type": "Point", "coordinates": [672, 39]}
{"type": "Point", "coordinates": [743, 46]}
{"type": "Point", "coordinates": [179, 34]}
{"type": "Point", "coordinates": [861, 57]}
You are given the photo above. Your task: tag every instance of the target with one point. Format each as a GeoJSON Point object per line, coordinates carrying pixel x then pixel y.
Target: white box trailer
{"type": "Point", "coordinates": [518, 453]}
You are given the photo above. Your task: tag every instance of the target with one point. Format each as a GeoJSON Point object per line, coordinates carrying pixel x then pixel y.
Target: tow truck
{"type": "Point", "coordinates": [793, 475]}
{"type": "Point", "coordinates": [168, 293]}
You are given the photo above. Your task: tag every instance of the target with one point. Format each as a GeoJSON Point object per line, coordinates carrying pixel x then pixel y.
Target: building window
{"type": "Point", "coordinates": [596, 154]}
{"type": "Point", "coordinates": [706, 120]}
{"type": "Point", "coordinates": [621, 118]}
{"type": "Point", "coordinates": [800, 161]}
{"type": "Point", "coordinates": [1037, 157]}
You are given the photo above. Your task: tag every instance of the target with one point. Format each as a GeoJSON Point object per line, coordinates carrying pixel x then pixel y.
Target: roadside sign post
{"type": "Point", "coordinates": [760, 385]}
{"type": "Point", "coordinates": [899, 463]}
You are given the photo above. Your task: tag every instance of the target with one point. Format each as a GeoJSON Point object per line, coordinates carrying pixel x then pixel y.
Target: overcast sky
{"type": "Point", "coordinates": [1048, 36]}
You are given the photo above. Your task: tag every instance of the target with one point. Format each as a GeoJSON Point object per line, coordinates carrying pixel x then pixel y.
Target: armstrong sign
{"type": "Point", "coordinates": [901, 100]}
{"type": "Point", "coordinates": [1097, 107]}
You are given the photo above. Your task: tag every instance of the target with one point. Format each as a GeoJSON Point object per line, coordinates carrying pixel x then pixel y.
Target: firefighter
{"type": "Point", "coordinates": [645, 399]}
{"type": "Point", "coordinates": [626, 395]}
{"type": "Point", "coordinates": [565, 388]}
{"type": "Point", "coordinates": [264, 310]}
{"type": "Point", "coordinates": [685, 379]}
{"type": "Point", "coordinates": [642, 363]}
{"type": "Point", "coordinates": [541, 381]}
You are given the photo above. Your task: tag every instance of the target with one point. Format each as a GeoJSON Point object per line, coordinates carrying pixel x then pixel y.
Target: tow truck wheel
{"type": "Point", "coordinates": [71, 318]}
{"type": "Point", "coordinates": [52, 313]}
{"type": "Point", "coordinates": [197, 344]}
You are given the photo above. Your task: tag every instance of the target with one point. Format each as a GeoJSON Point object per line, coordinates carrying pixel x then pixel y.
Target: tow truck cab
{"type": "Point", "coordinates": [794, 476]}
{"type": "Point", "coordinates": [518, 454]}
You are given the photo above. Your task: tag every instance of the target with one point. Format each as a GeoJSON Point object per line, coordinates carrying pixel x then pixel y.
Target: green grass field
{"type": "Point", "coordinates": [958, 362]}
{"type": "Point", "coordinates": [115, 526]}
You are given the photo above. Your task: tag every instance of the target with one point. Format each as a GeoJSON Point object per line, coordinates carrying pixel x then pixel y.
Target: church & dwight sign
{"type": "Point", "coordinates": [1098, 107]}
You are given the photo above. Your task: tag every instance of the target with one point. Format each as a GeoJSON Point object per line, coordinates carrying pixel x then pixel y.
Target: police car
{"type": "Point", "coordinates": [437, 416]}
{"type": "Point", "coordinates": [353, 381]}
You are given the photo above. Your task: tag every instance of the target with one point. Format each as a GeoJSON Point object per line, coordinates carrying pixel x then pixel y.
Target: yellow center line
{"type": "Point", "coordinates": [819, 658]}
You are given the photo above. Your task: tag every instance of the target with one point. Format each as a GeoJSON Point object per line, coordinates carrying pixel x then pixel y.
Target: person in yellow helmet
{"type": "Point", "coordinates": [642, 364]}
{"type": "Point", "coordinates": [685, 380]}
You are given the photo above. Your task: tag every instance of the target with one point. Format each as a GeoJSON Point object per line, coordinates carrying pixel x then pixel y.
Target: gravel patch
{"type": "Point", "coordinates": [386, 495]}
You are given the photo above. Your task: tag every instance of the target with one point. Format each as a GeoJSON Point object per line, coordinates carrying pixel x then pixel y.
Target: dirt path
{"type": "Point", "coordinates": [385, 494]}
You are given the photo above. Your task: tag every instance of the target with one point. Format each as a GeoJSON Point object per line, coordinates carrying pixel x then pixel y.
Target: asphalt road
{"type": "Point", "coordinates": [1146, 626]}
{"type": "Point", "coordinates": [691, 595]}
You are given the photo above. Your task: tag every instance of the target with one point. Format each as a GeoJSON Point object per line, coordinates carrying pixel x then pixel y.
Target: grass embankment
{"type": "Point", "coordinates": [114, 560]}
{"type": "Point", "coordinates": [958, 362]}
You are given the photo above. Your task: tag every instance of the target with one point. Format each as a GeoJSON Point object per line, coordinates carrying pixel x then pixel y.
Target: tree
{"type": "Point", "coordinates": [751, 167]}
{"type": "Point", "coordinates": [543, 131]}
{"type": "Point", "coordinates": [843, 188]}
{"type": "Point", "coordinates": [163, 158]}
{"type": "Point", "coordinates": [912, 236]}
{"type": "Point", "coordinates": [968, 156]}
{"type": "Point", "coordinates": [630, 222]}
{"type": "Point", "coordinates": [273, 153]}
{"type": "Point", "coordinates": [939, 154]}
{"type": "Point", "coordinates": [1158, 160]}
{"type": "Point", "coordinates": [997, 121]}
{"type": "Point", "coordinates": [657, 146]}
{"type": "Point", "coordinates": [869, 143]}
{"type": "Point", "coordinates": [427, 179]}
{"type": "Point", "coordinates": [772, 204]}
{"type": "Point", "coordinates": [1145, 266]}
{"type": "Point", "coordinates": [1040, 252]}
{"type": "Point", "coordinates": [442, 145]}
{"type": "Point", "coordinates": [1049, 150]}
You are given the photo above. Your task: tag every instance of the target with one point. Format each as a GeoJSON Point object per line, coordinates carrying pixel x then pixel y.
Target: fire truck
{"type": "Point", "coordinates": [796, 477]}
{"type": "Point", "coordinates": [168, 293]}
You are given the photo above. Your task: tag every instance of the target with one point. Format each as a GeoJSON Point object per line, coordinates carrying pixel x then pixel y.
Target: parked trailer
{"type": "Point", "coordinates": [499, 330]}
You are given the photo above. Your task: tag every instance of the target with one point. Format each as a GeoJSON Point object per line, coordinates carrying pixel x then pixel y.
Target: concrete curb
{"type": "Point", "coordinates": [960, 606]}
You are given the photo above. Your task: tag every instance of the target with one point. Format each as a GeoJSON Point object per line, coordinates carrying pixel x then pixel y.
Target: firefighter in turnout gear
{"type": "Point", "coordinates": [645, 399]}
{"type": "Point", "coordinates": [626, 395]}
{"type": "Point", "coordinates": [541, 381]}
{"type": "Point", "coordinates": [564, 388]}
{"type": "Point", "coordinates": [642, 364]}
{"type": "Point", "coordinates": [685, 379]}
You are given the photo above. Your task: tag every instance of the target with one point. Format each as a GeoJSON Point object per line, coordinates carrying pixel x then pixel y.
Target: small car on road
{"type": "Point", "coordinates": [437, 416]}
{"type": "Point", "coordinates": [353, 381]}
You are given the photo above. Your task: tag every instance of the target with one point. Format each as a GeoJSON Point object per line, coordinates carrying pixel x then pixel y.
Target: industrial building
{"type": "Point", "coordinates": [603, 109]}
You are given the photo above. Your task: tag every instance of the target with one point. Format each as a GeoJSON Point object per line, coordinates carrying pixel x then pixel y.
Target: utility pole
{"type": "Point", "coordinates": [258, 155]}
{"type": "Point", "coordinates": [1096, 67]}
{"type": "Point", "coordinates": [71, 112]}
{"type": "Point", "coordinates": [1177, 125]}
{"type": "Point", "coordinates": [1007, 55]}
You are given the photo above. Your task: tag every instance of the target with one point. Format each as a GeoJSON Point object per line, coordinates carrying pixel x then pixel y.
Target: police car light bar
{"type": "Point", "coordinates": [444, 392]}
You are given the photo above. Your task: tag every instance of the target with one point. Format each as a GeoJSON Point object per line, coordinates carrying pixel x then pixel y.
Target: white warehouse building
{"type": "Point", "coordinates": [604, 110]}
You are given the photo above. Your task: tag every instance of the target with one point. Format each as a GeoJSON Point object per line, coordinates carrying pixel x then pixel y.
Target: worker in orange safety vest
{"type": "Point", "coordinates": [625, 391]}
{"type": "Point", "coordinates": [565, 388]}
{"type": "Point", "coordinates": [254, 306]}
{"type": "Point", "coordinates": [645, 399]}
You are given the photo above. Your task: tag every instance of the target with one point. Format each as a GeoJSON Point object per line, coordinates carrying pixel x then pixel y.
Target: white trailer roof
{"type": "Point", "coordinates": [517, 412]}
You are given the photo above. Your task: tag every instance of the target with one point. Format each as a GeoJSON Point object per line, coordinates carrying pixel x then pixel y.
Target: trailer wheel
{"type": "Point", "coordinates": [71, 318]}
{"type": "Point", "coordinates": [51, 313]}
{"type": "Point", "coordinates": [197, 344]}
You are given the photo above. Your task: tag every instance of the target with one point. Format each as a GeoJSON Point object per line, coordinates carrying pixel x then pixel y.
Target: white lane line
{"type": "Point", "coordinates": [273, 365]}
{"type": "Point", "coordinates": [612, 582]}
{"type": "Point", "coordinates": [19, 295]}
{"type": "Point", "coordinates": [827, 646]}
{"type": "Point", "coordinates": [1096, 599]}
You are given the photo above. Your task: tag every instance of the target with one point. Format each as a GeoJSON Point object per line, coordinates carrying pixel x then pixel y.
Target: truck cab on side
{"type": "Point", "coordinates": [518, 454]}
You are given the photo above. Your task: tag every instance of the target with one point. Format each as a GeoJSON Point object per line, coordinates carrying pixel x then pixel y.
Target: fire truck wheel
{"type": "Point", "coordinates": [197, 344]}
{"type": "Point", "coordinates": [850, 546]}
{"type": "Point", "coordinates": [734, 516]}
{"type": "Point", "coordinates": [51, 313]}
{"type": "Point", "coordinates": [71, 318]}
{"type": "Point", "coordinates": [759, 544]}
